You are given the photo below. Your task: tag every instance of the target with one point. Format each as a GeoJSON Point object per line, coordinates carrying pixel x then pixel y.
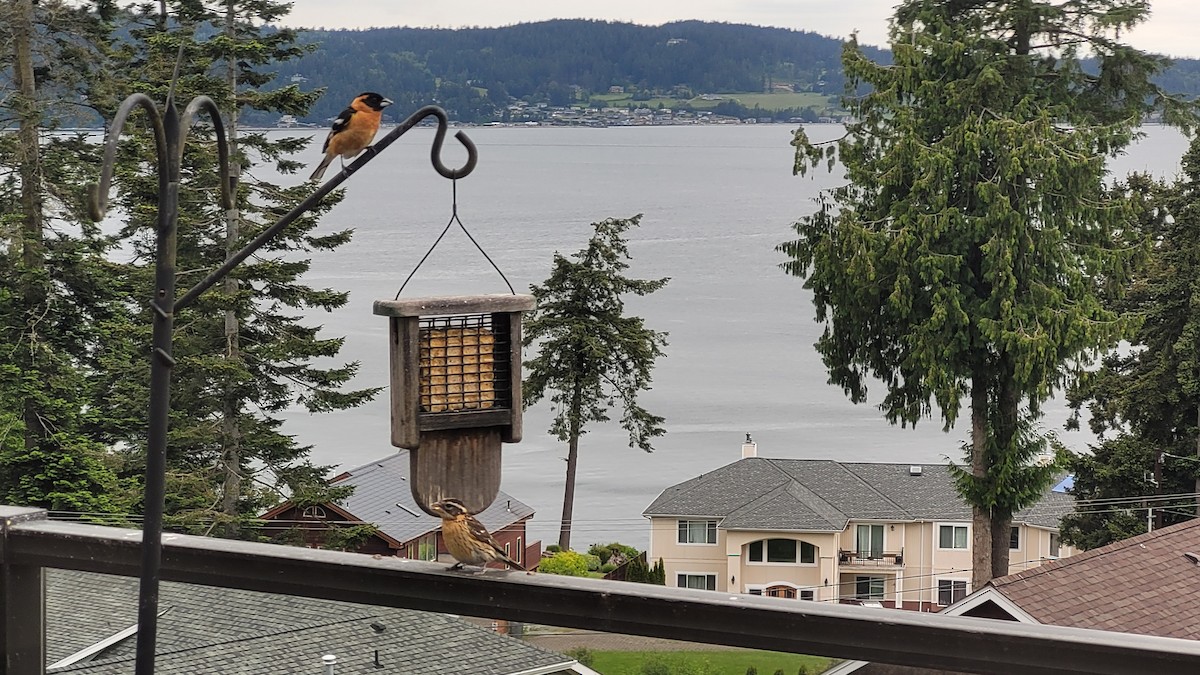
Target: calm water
{"type": "Point", "coordinates": [716, 201]}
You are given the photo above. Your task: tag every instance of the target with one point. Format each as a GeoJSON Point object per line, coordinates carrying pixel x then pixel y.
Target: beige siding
{"type": "Point", "coordinates": [912, 583]}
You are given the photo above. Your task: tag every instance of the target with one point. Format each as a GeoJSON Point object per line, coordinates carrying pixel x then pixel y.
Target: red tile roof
{"type": "Point", "coordinates": [1144, 584]}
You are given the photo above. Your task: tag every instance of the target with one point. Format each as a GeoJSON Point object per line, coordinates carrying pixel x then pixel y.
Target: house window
{"type": "Point", "coordinates": [313, 512]}
{"type": "Point", "coordinates": [783, 551]}
{"type": "Point", "coordinates": [697, 531]}
{"type": "Point", "coordinates": [951, 591]}
{"type": "Point", "coordinates": [520, 551]}
{"type": "Point", "coordinates": [427, 547]}
{"type": "Point", "coordinates": [1014, 538]}
{"type": "Point", "coordinates": [952, 536]}
{"type": "Point", "coordinates": [869, 541]}
{"type": "Point", "coordinates": [756, 591]}
{"type": "Point", "coordinates": [705, 582]}
{"type": "Point", "coordinates": [1053, 544]}
{"type": "Point", "coordinates": [781, 592]}
{"type": "Point", "coordinates": [868, 588]}
{"type": "Point", "coordinates": [808, 595]}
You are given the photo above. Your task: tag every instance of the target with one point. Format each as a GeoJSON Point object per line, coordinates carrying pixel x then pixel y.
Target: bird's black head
{"type": "Point", "coordinates": [374, 101]}
{"type": "Point", "coordinates": [449, 508]}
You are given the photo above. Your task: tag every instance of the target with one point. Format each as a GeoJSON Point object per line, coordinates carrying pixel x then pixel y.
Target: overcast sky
{"type": "Point", "coordinates": [1172, 28]}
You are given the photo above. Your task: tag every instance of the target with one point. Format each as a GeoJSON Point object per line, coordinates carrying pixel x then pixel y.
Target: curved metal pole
{"type": "Point", "coordinates": [170, 133]}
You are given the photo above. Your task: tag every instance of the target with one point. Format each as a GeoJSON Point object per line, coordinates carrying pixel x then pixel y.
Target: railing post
{"type": "Point", "coordinates": [23, 596]}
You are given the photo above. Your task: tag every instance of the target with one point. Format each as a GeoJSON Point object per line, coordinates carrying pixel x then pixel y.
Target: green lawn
{"type": "Point", "coordinates": [705, 663]}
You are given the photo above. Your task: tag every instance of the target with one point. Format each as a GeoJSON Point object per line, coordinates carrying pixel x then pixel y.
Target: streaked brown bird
{"type": "Point", "coordinates": [353, 130]}
{"type": "Point", "coordinates": [467, 539]}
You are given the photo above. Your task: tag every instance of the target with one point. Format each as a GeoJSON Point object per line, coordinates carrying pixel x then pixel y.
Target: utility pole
{"type": "Point", "coordinates": [1158, 465]}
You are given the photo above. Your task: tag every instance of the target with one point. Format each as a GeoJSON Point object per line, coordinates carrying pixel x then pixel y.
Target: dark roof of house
{"type": "Point", "coordinates": [383, 498]}
{"type": "Point", "coordinates": [823, 495]}
{"type": "Point", "coordinates": [220, 631]}
{"type": "Point", "coordinates": [1144, 584]}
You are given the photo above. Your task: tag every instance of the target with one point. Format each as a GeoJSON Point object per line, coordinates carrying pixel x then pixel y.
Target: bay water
{"type": "Point", "coordinates": [715, 201]}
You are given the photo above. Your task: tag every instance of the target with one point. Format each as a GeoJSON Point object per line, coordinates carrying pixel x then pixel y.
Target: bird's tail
{"type": "Point", "coordinates": [320, 170]}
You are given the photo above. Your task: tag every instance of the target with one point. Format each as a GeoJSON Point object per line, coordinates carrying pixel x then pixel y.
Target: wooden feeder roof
{"type": "Point", "coordinates": [455, 304]}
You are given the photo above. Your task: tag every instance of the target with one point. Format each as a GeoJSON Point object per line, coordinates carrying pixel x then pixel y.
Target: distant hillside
{"type": "Point", "coordinates": [473, 72]}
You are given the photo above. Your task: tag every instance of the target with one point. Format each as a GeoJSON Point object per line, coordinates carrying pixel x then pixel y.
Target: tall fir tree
{"type": "Point", "coordinates": [51, 271]}
{"type": "Point", "coordinates": [590, 354]}
{"type": "Point", "coordinates": [968, 254]}
{"type": "Point", "coordinates": [1144, 402]}
{"type": "Point", "coordinates": [243, 352]}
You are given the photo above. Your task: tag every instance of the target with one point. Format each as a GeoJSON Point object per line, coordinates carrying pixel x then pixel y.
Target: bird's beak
{"type": "Point", "coordinates": [385, 102]}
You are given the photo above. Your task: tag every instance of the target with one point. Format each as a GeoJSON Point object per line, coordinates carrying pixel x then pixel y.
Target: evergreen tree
{"type": "Point", "coordinates": [590, 354]}
{"type": "Point", "coordinates": [243, 354]}
{"type": "Point", "coordinates": [1144, 402]}
{"type": "Point", "coordinates": [968, 255]}
{"type": "Point", "coordinates": [49, 263]}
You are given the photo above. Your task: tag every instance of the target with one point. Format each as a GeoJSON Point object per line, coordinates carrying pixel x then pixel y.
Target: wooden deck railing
{"type": "Point", "coordinates": [29, 543]}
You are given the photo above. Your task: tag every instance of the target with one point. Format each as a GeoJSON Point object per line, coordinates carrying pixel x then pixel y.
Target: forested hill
{"type": "Point", "coordinates": [473, 70]}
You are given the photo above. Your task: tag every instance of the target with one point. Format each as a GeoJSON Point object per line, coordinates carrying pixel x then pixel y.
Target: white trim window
{"type": "Point", "coordinates": [868, 587]}
{"type": "Point", "coordinates": [869, 541]}
{"type": "Point", "coordinates": [1014, 538]}
{"type": "Point", "coordinates": [1054, 545]}
{"type": "Point", "coordinates": [950, 591]}
{"type": "Point", "coordinates": [954, 537]}
{"type": "Point", "coordinates": [705, 582]}
{"type": "Point", "coordinates": [697, 532]}
{"type": "Point", "coordinates": [781, 552]}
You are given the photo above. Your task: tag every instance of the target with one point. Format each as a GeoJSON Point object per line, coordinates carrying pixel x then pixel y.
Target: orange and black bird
{"type": "Point", "coordinates": [353, 130]}
{"type": "Point", "coordinates": [467, 539]}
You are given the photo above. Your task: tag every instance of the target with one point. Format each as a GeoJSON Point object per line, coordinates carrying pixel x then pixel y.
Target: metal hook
{"type": "Point", "coordinates": [98, 193]}
{"type": "Point", "coordinates": [168, 165]}
{"type": "Point", "coordinates": [435, 154]}
{"type": "Point", "coordinates": [214, 113]}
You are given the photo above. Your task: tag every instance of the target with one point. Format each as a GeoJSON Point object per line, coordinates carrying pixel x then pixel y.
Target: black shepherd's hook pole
{"type": "Point", "coordinates": [170, 133]}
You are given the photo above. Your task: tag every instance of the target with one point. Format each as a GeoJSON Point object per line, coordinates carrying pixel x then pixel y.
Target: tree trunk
{"type": "Point", "coordinates": [1001, 537]}
{"type": "Point", "coordinates": [232, 456]}
{"type": "Point", "coordinates": [1008, 406]}
{"type": "Point", "coordinates": [564, 530]}
{"type": "Point", "coordinates": [981, 519]}
{"type": "Point", "coordinates": [29, 159]}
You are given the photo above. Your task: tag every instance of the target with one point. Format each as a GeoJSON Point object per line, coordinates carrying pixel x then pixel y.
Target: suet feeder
{"type": "Point", "coordinates": [456, 391]}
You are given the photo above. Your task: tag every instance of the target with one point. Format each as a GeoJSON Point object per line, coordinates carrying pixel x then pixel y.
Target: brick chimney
{"type": "Point", "coordinates": [749, 448]}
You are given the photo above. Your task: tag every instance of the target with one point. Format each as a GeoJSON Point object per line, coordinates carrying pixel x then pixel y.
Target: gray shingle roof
{"type": "Point", "coordinates": [220, 631]}
{"type": "Point", "coordinates": [823, 495]}
{"type": "Point", "coordinates": [382, 497]}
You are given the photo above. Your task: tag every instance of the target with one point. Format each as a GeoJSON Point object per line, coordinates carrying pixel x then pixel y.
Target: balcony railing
{"type": "Point", "coordinates": [29, 543]}
{"type": "Point", "coordinates": [870, 559]}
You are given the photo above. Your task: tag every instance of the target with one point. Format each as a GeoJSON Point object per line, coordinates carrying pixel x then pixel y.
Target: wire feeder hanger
{"type": "Point", "coordinates": [454, 219]}
{"type": "Point", "coordinates": [455, 383]}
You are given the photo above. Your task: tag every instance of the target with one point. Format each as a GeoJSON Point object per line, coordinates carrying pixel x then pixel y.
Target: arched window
{"type": "Point", "coordinates": [782, 551]}
{"type": "Point", "coordinates": [313, 512]}
{"type": "Point", "coordinates": [780, 592]}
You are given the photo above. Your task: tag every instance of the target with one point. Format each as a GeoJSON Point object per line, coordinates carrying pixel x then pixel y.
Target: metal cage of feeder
{"type": "Point", "coordinates": [456, 391]}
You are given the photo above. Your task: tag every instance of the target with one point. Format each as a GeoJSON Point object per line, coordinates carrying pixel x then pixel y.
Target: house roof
{"type": "Point", "coordinates": [383, 498]}
{"type": "Point", "coordinates": [1144, 584]}
{"type": "Point", "coordinates": [763, 493]}
{"type": "Point", "coordinates": [209, 631]}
